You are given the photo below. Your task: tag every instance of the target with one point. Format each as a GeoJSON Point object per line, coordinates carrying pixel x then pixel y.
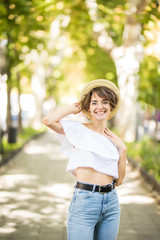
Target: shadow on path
{"type": "Point", "coordinates": [36, 191]}
{"type": "Point", "coordinates": [140, 215]}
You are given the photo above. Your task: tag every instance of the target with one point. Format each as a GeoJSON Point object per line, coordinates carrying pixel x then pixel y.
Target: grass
{"type": "Point", "coordinates": [147, 153]}
{"type": "Point", "coordinates": [27, 134]}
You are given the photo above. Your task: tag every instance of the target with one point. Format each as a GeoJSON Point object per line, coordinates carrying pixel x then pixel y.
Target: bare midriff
{"type": "Point", "coordinates": [89, 175]}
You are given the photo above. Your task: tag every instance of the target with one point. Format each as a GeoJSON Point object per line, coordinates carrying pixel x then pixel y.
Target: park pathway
{"type": "Point", "coordinates": [36, 191]}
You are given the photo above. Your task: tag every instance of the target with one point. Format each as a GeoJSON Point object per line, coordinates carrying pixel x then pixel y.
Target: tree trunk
{"type": "Point", "coordinates": [127, 59]}
{"type": "Point", "coordinates": [38, 88]}
{"type": "Point", "coordinates": [8, 71]}
{"type": "Point", "coordinates": [20, 129]}
{"type": "Point", "coordinates": [9, 119]}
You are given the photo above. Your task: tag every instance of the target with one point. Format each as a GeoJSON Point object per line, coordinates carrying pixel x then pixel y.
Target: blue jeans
{"type": "Point", "coordinates": [93, 215]}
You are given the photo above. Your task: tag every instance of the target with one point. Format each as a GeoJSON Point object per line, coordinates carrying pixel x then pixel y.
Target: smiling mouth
{"type": "Point", "coordinates": [100, 112]}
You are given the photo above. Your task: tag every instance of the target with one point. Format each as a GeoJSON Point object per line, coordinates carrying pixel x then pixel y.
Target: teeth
{"type": "Point", "coordinates": [101, 112]}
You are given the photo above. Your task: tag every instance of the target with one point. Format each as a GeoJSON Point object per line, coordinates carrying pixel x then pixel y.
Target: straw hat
{"type": "Point", "coordinates": [100, 83]}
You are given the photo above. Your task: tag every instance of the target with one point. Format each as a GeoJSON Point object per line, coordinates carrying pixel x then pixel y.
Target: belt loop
{"type": "Point", "coordinates": [112, 186]}
{"type": "Point", "coordinates": [113, 182]}
{"type": "Point", "coordinates": [93, 189]}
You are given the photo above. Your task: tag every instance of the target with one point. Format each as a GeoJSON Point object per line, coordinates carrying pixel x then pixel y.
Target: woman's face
{"type": "Point", "coordinates": [99, 108]}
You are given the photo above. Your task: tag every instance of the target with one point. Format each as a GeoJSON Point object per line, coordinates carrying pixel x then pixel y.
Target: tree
{"type": "Point", "coordinates": [117, 27]}
{"type": "Point", "coordinates": [24, 24]}
{"type": "Point", "coordinates": [107, 37]}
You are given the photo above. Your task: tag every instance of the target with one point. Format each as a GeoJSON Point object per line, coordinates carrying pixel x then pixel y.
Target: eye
{"type": "Point", "coordinates": [106, 102]}
{"type": "Point", "coordinates": [93, 103]}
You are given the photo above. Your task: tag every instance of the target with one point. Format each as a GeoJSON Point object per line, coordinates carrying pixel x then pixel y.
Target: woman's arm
{"type": "Point", "coordinates": [122, 155]}
{"type": "Point", "coordinates": [52, 120]}
{"type": "Point", "coordinates": [121, 166]}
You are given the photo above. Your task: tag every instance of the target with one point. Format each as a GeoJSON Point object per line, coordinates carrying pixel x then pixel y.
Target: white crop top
{"type": "Point", "coordinates": [87, 148]}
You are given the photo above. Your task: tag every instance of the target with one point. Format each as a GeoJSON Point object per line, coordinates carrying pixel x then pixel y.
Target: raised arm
{"type": "Point", "coordinates": [52, 120]}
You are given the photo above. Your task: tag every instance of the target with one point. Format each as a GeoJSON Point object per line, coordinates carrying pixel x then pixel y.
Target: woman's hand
{"type": "Point", "coordinates": [52, 120]}
{"type": "Point", "coordinates": [116, 140]}
{"type": "Point", "coordinates": [76, 108]}
{"type": "Point", "coordinates": [122, 155]}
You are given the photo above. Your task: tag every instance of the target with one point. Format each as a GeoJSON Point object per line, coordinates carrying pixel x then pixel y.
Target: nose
{"type": "Point", "coordinates": [99, 105]}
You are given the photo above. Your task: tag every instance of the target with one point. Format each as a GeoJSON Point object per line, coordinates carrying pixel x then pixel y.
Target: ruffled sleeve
{"type": "Point", "coordinates": [79, 136]}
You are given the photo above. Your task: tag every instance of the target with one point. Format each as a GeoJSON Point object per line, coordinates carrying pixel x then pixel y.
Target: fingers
{"type": "Point", "coordinates": [78, 107]}
{"type": "Point", "coordinates": [107, 131]}
{"type": "Point", "coordinates": [77, 104]}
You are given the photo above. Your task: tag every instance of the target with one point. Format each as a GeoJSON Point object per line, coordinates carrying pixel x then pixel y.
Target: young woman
{"type": "Point", "coordinates": [97, 158]}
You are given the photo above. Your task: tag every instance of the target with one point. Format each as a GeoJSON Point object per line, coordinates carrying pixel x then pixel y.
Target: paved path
{"type": "Point", "coordinates": [36, 191]}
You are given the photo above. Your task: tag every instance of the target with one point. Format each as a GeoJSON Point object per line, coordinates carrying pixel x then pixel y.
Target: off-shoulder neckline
{"type": "Point", "coordinates": [94, 131]}
{"type": "Point", "coordinates": [106, 138]}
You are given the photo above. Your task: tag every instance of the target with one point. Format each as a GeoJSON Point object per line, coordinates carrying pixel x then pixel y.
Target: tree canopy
{"type": "Point", "coordinates": [84, 36]}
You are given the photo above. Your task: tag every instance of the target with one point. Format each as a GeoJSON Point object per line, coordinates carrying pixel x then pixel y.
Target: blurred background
{"type": "Point", "coordinates": [49, 49]}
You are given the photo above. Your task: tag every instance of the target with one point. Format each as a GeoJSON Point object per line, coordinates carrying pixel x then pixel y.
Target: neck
{"type": "Point", "coordinates": [99, 126]}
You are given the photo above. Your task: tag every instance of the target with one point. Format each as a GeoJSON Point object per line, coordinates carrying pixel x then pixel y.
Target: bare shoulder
{"type": "Point", "coordinates": [89, 126]}
{"type": "Point", "coordinates": [86, 125]}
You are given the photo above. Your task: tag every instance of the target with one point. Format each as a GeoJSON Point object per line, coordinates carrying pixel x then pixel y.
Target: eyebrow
{"type": "Point", "coordinates": [102, 100]}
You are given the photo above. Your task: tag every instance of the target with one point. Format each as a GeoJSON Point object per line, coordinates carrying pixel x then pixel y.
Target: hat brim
{"type": "Point", "coordinates": [101, 83]}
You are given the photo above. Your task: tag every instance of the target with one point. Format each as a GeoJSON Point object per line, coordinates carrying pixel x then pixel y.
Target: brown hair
{"type": "Point", "coordinates": [103, 92]}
